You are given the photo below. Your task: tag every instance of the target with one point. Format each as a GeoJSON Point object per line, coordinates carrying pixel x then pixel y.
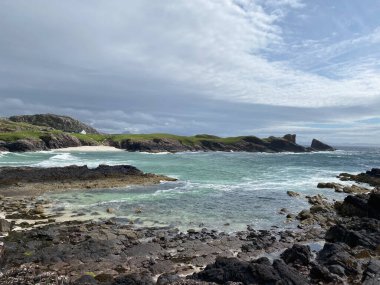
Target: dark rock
{"type": "Point", "coordinates": [361, 205]}
{"type": "Point", "coordinates": [23, 145]}
{"type": "Point", "coordinates": [338, 254]}
{"type": "Point", "coordinates": [298, 254]}
{"type": "Point", "coordinates": [290, 138]}
{"type": "Point", "coordinates": [321, 274]}
{"type": "Point", "coordinates": [54, 141]}
{"type": "Point", "coordinates": [370, 177]}
{"type": "Point", "coordinates": [259, 271]}
{"type": "Point", "coordinates": [288, 274]}
{"type": "Point", "coordinates": [371, 275]}
{"type": "Point", "coordinates": [320, 146]}
{"type": "Point", "coordinates": [12, 175]}
{"type": "Point", "coordinates": [336, 186]}
{"type": "Point", "coordinates": [134, 279]}
{"type": "Point", "coordinates": [292, 194]}
{"type": "Point", "coordinates": [364, 232]}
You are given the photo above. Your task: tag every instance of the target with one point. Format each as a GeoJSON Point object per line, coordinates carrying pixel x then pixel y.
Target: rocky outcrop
{"type": "Point", "coordinates": [317, 145]}
{"type": "Point", "coordinates": [12, 175]}
{"type": "Point", "coordinates": [24, 145]}
{"type": "Point", "coordinates": [259, 271]}
{"type": "Point", "coordinates": [363, 205]}
{"type": "Point", "coordinates": [371, 177]}
{"type": "Point", "coordinates": [45, 142]}
{"type": "Point", "coordinates": [63, 123]}
{"type": "Point", "coordinates": [30, 181]}
{"type": "Point", "coordinates": [248, 144]}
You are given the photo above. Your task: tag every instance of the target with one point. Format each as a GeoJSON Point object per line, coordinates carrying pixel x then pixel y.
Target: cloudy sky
{"type": "Point", "coordinates": [226, 67]}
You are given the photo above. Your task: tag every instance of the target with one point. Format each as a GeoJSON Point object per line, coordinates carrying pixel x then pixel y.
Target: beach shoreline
{"type": "Point", "coordinates": [92, 148]}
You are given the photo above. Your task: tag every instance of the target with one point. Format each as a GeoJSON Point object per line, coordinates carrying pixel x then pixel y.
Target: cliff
{"type": "Point", "coordinates": [23, 136]}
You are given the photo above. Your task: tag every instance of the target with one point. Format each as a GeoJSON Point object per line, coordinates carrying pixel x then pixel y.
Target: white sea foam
{"type": "Point", "coordinates": [62, 159]}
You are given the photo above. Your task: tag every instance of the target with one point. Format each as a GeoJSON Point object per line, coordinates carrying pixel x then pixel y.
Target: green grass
{"type": "Point", "coordinates": [12, 131]}
{"type": "Point", "coordinates": [9, 126]}
{"type": "Point", "coordinates": [186, 140]}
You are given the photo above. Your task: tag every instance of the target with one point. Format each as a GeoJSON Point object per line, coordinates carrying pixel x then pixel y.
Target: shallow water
{"type": "Point", "coordinates": [214, 189]}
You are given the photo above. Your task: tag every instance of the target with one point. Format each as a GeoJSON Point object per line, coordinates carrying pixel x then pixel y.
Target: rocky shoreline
{"type": "Point", "coordinates": [29, 181]}
{"type": "Point", "coordinates": [335, 243]}
{"type": "Point", "coordinates": [50, 141]}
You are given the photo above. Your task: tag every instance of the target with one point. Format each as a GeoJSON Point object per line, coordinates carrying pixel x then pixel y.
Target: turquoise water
{"type": "Point", "coordinates": [214, 189]}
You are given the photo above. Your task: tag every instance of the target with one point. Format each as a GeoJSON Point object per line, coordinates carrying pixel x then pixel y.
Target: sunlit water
{"type": "Point", "coordinates": [214, 188]}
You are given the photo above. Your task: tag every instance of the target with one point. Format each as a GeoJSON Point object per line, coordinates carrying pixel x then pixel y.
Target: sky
{"type": "Point", "coordinates": [223, 67]}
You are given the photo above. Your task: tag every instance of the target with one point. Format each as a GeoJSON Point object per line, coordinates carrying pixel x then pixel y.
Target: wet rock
{"type": "Point", "coordinates": [355, 189]}
{"type": "Point", "coordinates": [298, 254]}
{"type": "Point", "coordinates": [304, 215]}
{"type": "Point", "coordinates": [336, 186]}
{"type": "Point", "coordinates": [292, 194]}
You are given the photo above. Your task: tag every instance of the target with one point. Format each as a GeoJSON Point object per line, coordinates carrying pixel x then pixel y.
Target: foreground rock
{"type": "Point", "coordinates": [34, 180]}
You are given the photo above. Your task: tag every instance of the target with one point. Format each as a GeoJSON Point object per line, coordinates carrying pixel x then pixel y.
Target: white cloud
{"type": "Point", "coordinates": [80, 57]}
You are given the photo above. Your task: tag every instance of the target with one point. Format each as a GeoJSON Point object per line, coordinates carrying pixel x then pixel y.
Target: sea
{"type": "Point", "coordinates": [225, 191]}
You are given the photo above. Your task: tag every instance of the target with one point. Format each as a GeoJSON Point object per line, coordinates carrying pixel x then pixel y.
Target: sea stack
{"type": "Point", "coordinates": [317, 145]}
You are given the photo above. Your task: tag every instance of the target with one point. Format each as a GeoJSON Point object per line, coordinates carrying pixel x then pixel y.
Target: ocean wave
{"type": "Point", "coordinates": [62, 159]}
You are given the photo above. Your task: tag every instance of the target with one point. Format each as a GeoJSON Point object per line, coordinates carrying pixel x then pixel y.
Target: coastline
{"type": "Point", "coordinates": [334, 243]}
{"type": "Point", "coordinates": [89, 148]}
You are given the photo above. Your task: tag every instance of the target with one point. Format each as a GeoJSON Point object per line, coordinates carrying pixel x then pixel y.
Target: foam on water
{"type": "Point", "coordinates": [214, 188]}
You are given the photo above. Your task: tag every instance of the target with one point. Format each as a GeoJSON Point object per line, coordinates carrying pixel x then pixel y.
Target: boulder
{"type": "Point", "coordinates": [259, 271]}
{"type": "Point", "coordinates": [292, 194]}
{"type": "Point", "coordinates": [354, 189]}
{"type": "Point", "coordinates": [317, 145]}
{"type": "Point", "coordinates": [298, 254]}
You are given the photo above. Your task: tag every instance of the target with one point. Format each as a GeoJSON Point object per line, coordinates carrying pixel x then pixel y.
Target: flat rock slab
{"type": "Point", "coordinates": [26, 181]}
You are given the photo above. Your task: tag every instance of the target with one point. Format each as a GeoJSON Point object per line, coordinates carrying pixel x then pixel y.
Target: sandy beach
{"type": "Point", "coordinates": [96, 148]}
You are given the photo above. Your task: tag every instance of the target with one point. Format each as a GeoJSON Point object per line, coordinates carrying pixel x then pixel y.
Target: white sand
{"type": "Point", "coordinates": [89, 148]}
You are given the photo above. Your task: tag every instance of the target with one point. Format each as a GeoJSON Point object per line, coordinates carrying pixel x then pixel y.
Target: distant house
{"type": "Point", "coordinates": [83, 132]}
